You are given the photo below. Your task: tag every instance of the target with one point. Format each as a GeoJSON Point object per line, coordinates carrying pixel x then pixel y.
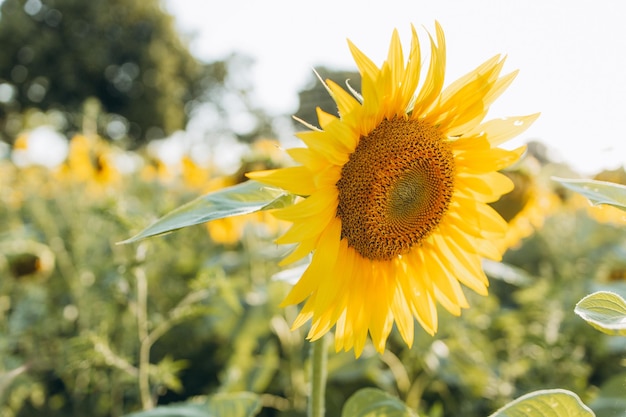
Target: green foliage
{"type": "Point", "coordinates": [604, 310]}
{"type": "Point", "coordinates": [370, 402]}
{"type": "Point", "coordinates": [232, 405]}
{"type": "Point", "coordinates": [108, 330]}
{"type": "Point", "coordinates": [546, 403]}
{"type": "Point", "coordinates": [126, 54]}
{"type": "Point", "coordinates": [611, 400]}
{"type": "Point", "coordinates": [104, 324]}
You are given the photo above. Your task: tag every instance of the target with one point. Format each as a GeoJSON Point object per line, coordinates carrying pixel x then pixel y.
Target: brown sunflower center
{"type": "Point", "coordinates": [395, 188]}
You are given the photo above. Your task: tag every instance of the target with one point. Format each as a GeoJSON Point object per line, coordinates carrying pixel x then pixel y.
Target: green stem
{"type": "Point", "coordinates": [145, 343]}
{"type": "Point", "coordinates": [318, 378]}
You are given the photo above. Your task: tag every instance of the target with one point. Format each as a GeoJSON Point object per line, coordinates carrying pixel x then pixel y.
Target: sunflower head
{"type": "Point", "coordinates": [396, 193]}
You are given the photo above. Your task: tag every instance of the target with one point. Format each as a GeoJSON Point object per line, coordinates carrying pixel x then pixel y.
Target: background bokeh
{"type": "Point", "coordinates": [108, 120]}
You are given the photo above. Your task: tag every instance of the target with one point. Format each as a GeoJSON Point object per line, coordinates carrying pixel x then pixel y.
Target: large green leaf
{"type": "Point", "coordinates": [242, 404]}
{"type": "Point", "coordinates": [244, 198]}
{"type": "Point", "coordinates": [546, 403]}
{"type": "Point", "coordinates": [604, 310]}
{"type": "Point", "coordinates": [371, 402]}
{"type": "Point", "coordinates": [598, 192]}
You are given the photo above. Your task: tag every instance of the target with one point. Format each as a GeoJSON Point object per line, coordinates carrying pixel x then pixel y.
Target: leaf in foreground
{"type": "Point", "coordinates": [244, 198]}
{"type": "Point", "coordinates": [242, 404]}
{"type": "Point", "coordinates": [546, 403]}
{"type": "Point", "coordinates": [598, 192]}
{"type": "Point", "coordinates": [604, 310]}
{"type": "Point", "coordinates": [371, 402]}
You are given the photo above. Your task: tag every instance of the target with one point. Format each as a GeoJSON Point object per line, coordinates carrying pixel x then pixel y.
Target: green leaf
{"type": "Point", "coordinates": [611, 399]}
{"type": "Point", "coordinates": [507, 273]}
{"type": "Point", "coordinates": [371, 402]}
{"type": "Point", "coordinates": [175, 410]}
{"type": "Point", "coordinates": [604, 310]}
{"type": "Point", "coordinates": [244, 198]}
{"type": "Point", "coordinates": [546, 403]}
{"type": "Point", "coordinates": [598, 192]}
{"type": "Point", "coordinates": [241, 404]}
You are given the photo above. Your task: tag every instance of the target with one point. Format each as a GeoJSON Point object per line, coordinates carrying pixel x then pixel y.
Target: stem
{"type": "Point", "coordinates": [319, 361]}
{"type": "Point", "coordinates": [145, 345]}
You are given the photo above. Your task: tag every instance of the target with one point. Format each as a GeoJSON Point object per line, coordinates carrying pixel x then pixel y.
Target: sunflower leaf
{"type": "Point", "coordinates": [371, 402]}
{"type": "Point", "coordinates": [610, 400]}
{"type": "Point", "coordinates": [247, 197]}
{"type": "Point", "coordinates": [546, 403]}
{"type": "Point", "coordinates": [241, 404]}
{"type": "Point", "coordinates": [604, 310]}
{"type": "Point", "coordinates": [598, 192]}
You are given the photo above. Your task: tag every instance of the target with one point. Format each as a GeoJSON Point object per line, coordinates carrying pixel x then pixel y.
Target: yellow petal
{"type": "Point", "coordinates": [501, 130]}
{"type": "Point", "coordinates": [297, 180]}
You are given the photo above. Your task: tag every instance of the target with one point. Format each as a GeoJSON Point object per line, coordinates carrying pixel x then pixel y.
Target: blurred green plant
{"type": "Point", "coordinates": [124, 60]}
{"type": "Point", "coordinates": [604, 310]}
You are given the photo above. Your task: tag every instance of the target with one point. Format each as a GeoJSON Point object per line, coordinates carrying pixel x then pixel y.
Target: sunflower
{"type": "Point", "coordinates": [526, 208]}
{"type": "Point", "coordinates": [90, 160]}
{"type": "Point", "coordinates": [395, 196]}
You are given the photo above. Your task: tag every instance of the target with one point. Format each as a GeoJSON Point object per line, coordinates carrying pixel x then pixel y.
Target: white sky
{"type": "Point", "coordinates": [571, 55]}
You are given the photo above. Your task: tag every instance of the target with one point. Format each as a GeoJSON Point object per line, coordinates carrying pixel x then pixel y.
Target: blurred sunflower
{"type": "Point", "coordinates": [21, 142]}
{"type": "Point", "coordinates": [154, 169]}
{"type": "Point", "coordinates": [264, 154]}
{"type": "Point", "coordinates": [27, 259]}
{"type": "Point", "coordinates": [397, 187]}
{"type": "Point", "coordinates": [90, 160]}
{"type": "Point", "coordinates": [194, 175]}
{"type": "Point", "coordinates": [527, 206]}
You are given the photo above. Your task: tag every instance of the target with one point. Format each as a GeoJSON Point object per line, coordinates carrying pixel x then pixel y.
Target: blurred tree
{"type": "Point", "coordinates": [126, 53]}
{"type": "Point", "coordinates": [315, 94]}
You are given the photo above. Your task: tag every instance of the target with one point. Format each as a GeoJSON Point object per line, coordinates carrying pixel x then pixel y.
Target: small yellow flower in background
{"type": "Point", "coordinates": [90, 160]}
{"type": "Point", "coordinates": [21, 142]}
{"type": "Point", "coordinates": [398, 186]}
{"type": "Point", "coordinates": [604, 213]}
{"type": "Point", "coordinates": [154, 169]}
{"type": "Point", "coordinates": [194, 175]}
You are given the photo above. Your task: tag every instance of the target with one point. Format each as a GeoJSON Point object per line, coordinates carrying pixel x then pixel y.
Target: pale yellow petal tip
{"type": "Point", "coordinates": [481, 290]}
{"type": "Point", "coordinates": [294, 298]}
{"type": "Point", "coordinates": [531, 118]}
{"type": "Point", "coordinates": [521, 150]}
{"type": "Point", "coordinates": [408, 338]}
{"type": "Point", "coordinates": [300, 320]}
{"type": "Point", "coordinates": [380, 346]}
{"type": "Point", "coordinates": [430, 328]}
{"type": "Point", "coordinates": [313, 335]}
{"type": "Point", "coordinates": [255, 175]}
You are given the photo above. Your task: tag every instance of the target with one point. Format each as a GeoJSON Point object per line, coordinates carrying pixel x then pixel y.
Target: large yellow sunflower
{"type": "Point", "coordinates": [396, 189]}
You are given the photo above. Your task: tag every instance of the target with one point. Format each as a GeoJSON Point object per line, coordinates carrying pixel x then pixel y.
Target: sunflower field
{"type": "Point", "coordinates": [91, 327]}
{"type": "Point", "coordinates": [468, 281]}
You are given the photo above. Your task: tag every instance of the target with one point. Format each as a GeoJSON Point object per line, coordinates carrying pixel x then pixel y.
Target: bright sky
{"type": "Point", "coordinates": [571, 55]}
